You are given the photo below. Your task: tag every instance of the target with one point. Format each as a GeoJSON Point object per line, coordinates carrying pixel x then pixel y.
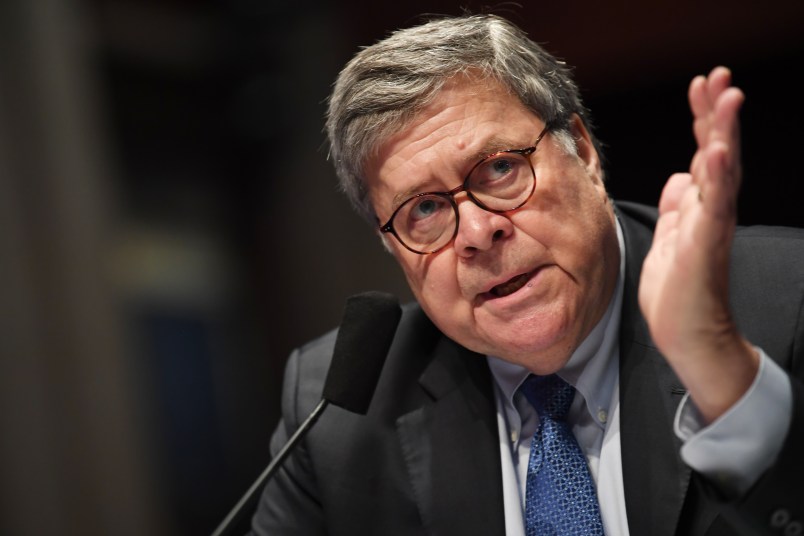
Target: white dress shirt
{"type": "Point", "coordinates": [733, 451]}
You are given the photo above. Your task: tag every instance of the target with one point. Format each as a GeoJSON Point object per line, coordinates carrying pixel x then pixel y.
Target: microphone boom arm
{"type": "Point", "coordinates": [248, 500]}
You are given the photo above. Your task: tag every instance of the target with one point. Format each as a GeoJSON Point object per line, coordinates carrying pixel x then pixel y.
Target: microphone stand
{"type": "Point", "coordinates": [250, 496]}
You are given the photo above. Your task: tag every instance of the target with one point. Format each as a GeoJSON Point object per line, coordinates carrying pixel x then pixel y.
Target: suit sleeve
{"type": "Point", "coordinates": [290, 505]}
{"type": "Point", "coordinates": [775, 504]}
{"type": "Point", "coordinates": [739, 446]}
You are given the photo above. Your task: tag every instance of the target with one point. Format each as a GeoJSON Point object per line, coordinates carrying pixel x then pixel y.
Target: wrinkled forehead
{"type": "Point", "coordinates": [467, 120]}
{"type": "Point", "coordinates": [397, 124]}
{"type": "Point", "coordinates": [392, 124]}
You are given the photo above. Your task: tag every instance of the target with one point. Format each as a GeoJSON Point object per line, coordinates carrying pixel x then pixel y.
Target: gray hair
{"type": "Point", "coordinates": [385, 85]}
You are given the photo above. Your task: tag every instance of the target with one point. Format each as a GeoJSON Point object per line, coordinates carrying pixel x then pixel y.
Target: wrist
{"type": "Point", "coordinates": [718, 376]}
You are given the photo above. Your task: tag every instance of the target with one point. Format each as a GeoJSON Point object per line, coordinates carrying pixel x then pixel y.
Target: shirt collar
{"type": "Point", "coordinates": [592, 368]}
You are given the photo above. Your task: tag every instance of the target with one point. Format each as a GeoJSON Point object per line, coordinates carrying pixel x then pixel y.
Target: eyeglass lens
{"type": "Point", "coordinates": [501, 182]}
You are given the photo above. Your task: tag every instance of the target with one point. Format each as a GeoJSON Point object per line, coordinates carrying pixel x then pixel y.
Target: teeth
{"type": "Point", "coordinates": [510, 286]}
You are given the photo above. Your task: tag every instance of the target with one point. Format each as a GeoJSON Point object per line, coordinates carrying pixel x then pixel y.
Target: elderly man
{"type": "Point", "coordinates": [573, 365]}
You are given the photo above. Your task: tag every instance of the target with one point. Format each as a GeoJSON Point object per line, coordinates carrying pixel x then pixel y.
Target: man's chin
{"type": "Point", "coordinates": [541, 350]}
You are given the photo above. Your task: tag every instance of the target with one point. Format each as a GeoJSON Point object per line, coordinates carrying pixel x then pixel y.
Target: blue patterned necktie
{"type": "Point", "coordinates": [560, 497]}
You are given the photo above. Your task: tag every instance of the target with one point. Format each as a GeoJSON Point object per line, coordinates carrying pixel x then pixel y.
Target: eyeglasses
{"type": "Point", "coordinates": [502, 181]}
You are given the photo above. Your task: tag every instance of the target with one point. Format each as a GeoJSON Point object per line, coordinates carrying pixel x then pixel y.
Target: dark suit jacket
{"type": "Point", "coordinates": [425, 460]}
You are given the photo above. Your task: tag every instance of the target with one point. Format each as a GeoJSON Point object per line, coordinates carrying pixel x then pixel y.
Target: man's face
{"type": "Point", "coordinates": [526, 286]}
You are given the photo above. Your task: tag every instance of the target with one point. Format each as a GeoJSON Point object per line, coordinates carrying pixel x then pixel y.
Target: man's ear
{"type": "Point", "coordinates": [586, 149]}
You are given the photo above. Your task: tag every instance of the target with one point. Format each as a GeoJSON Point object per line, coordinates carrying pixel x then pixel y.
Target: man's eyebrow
{"type": "Point", "coordinates": [403, 196]}
{"type": "Point", "coordinates": [494, 145]}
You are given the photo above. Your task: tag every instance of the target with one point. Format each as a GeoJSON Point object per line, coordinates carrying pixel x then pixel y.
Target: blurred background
{"type": "Point", "coordinates": [170, 227]}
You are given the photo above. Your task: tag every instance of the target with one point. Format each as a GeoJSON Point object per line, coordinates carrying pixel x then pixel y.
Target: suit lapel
{"type": "Point", "coordinates": [654, 476]}
{"type": "Point", "coordinates": [451, 447]}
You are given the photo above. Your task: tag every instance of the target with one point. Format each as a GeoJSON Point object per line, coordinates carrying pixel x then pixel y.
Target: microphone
{"type": "Point", "coordinates": [366, 332]}
{"type": "Point", "coordinates": [364, 338]}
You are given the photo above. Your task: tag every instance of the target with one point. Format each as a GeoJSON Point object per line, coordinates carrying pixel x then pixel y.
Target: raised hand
{"type": "Point", "coordinates": [684, 290]}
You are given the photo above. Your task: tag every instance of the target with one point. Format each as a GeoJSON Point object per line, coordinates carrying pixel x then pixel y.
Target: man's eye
{"type": "Point", "coordinates": [426, 208]}
{"type": "Point", "coordinates": [501, 167]}
{"type": "Point", "coordinates": [501, 171]}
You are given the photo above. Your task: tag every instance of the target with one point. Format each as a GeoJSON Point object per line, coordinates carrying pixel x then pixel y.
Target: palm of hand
{"type": "Point", "coordinates": [684, 286]}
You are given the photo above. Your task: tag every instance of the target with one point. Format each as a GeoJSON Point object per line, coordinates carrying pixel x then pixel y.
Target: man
{"type": "Point", "coordinates": [469, 149]}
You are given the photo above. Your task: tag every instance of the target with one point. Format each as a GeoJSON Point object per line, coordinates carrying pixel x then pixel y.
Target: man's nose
{"type": "Point", "coordinates": [478, 228]}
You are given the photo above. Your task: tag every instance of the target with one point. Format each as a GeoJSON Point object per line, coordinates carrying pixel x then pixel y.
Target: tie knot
{"type": "Point", "coordinates": [550, 395]}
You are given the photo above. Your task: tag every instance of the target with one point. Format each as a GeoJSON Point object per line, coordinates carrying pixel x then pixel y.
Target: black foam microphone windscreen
{"type": "Point", "coordinates": [364, 338]}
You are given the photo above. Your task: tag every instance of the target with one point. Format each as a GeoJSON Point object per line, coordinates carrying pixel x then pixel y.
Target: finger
{"type": "Point", "coordinates": [720, 184]}
{"type": "Point", "coordinates": [666, 229]}
{"type": "Point", "coordinates": [724, 139]}
{"type": "Point", "coordinates": [716, 105]}
{"type": "Point", "coordinates": [673, 192]}
{"type": "Point", "coordinates": [698, 97]}
{"type": "Point", "coordinates": [695, 165]}
{"type": "Point", "coordinates": [690, 204]}
{"type": "Point", "coordinates": [700, 107]}
{"type": "Point", "coordinates": [717, 82]}
{"type": "Point", "coordinates": [725, 120]}
{"type": "Point", "coordinates": [704, 94]}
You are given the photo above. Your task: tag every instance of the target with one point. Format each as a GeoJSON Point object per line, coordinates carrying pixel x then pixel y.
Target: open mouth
{"type": "Point", "coordinates": [510, 286]}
